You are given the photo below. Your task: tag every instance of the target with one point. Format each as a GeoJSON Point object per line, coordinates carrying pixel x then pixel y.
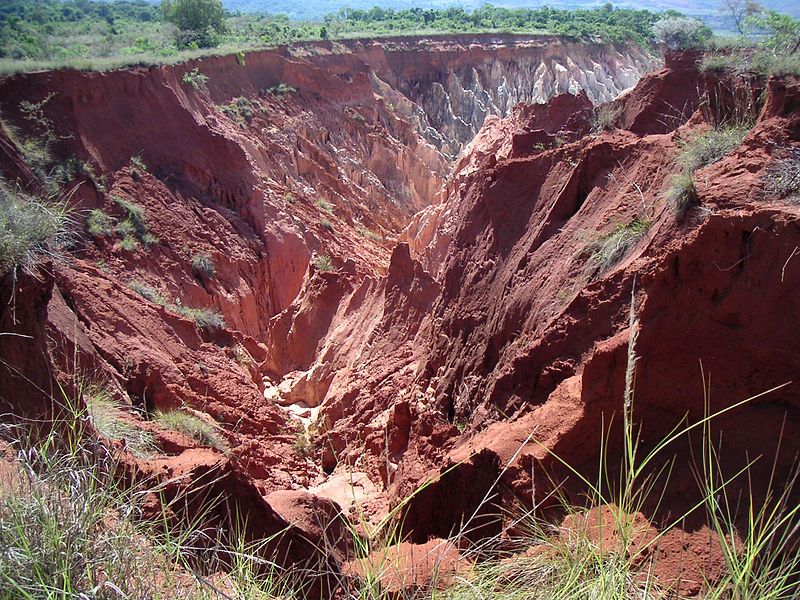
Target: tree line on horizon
{"type": "Point", "coordinates": [63, 30]}
{"type": "Point", "coordinates": [43, 29]}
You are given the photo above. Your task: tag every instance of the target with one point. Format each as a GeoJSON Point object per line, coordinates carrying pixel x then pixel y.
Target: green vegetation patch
{"type": "Point", "coordinates": [768, 45]}
{"type": "Point", "coordinates": [368, 233]}
{"type": "Point", "coordinates": [323, 263]}
{"type": "Point", "coordinates": [192, 426]}
{"type": "Point", "coordinates": [702, 149]}
{"type": "Point", "coordinates": [195, 79]}
{"type": "Point", "coordinates": [205, 318]}
{"type": "Point", "coordinates": [102, 35]}
{"type": "Point", "coordinates": [682, 193]}
{"type": "Point", "coordinates": [280, 90]}
{"type": "Point", "coordinates": [612, 247]}
{"type": "Point", "coordinates": [100, 223]}
{"type": "Point", "coordinates": [31, 229]}
{"type": "Point", "coordinates": [71, 523]}
{"type": "Point", "coordinates": [302, 445]}
{"type": "Point", "coordinates": [783, 178]}
{"type": "Point", "coordinates": [606, 118]}
{"type": "Point", "coordinates": [240, 110]}
{"type": "Point", "coordinates": [110, 421]}
{"type": "Point", "coordinates": [203, 265]}
{"type": "Point", "coordinates": [148, 293]}
{"type": "Point", "coordinates": [133, 228]}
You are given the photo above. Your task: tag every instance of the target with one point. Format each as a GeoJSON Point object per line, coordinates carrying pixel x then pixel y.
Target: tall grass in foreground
{"type": "Point", "coordinates": [70, 530]}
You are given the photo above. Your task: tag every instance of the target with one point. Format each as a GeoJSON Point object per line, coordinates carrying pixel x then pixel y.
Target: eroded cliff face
{"type": "Point", "coordinates": [402, 309]}
{"type": "Point", "coordinates": [449, 93]}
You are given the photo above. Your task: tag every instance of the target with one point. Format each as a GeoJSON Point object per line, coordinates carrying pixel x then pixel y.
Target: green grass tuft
{"type": "Point", "coordinates": [109, 421]}
{"type": "Point", "coordinates": [682, 193]}
{"type": "Point", "coordinates": [133, 228]}
{"type": "Point", "coordinates": [137, 164]}
{"type": "Point", "coordinates": [703, 149]}
{"type": "Point", "coordinates": [323, 263]}
{"type": "Point", "coordinates": [203, 265]}
{"type": "Point", "coordinates": [70, 528]}
{"type": "Point", "coordinates": [147, 292]}
{"type": "Point", "coordinates": [368, 233]}
{"type": "Point", "coordinates": [324, 205]}
{"type": "Point", "coordinates": [192, 426]}
{"type": "Point", "coordinates": [100, 223]}
{"type": "Point", "coordinates": [612, 247]}
{"type": "Point", "coordinates": [31, 229]}
{"type": "Point", "coordinates": [205, 318]}
{"type": "Point", "coordinates": [783, 178]}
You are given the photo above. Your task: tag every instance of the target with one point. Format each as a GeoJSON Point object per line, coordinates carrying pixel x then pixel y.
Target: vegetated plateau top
{"type": "Point", "coordinates": [320, 8]}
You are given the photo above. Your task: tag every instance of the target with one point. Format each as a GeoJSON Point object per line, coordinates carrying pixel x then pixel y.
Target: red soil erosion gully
{"type": "Point", "coordinates": [401, 236]}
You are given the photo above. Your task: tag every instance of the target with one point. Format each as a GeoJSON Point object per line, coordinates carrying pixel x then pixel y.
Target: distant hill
{"type": "Point", "coordinates": [319, 8]}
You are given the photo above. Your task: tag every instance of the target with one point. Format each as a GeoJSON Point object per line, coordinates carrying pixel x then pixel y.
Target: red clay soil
{"type": "Point", "coordinates": [486, 341]}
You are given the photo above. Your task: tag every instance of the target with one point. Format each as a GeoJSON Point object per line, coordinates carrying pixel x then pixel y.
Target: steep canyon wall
{"type": "Point", "coordinates": [405, 261]}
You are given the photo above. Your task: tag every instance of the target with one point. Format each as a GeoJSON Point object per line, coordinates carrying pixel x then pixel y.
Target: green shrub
{"type": "Point", "coordinates": [326, 225]}
{"type": "Point", "coordinates": [192, 426]}
{"type": "Point", "coordinates": [134, 226]}
{"type": "Point", "coordinates": [31, 229]}
{"type": "Point", "coordinates": [100, 223]}
{"type": "Point", "coordinates": [367, 233]}
{"type": "Point", "coordinates": [147, 292]}
{"type": "Point", "coordinates": [606, 117]}
{"type": "Point", "coordinates": [205, 318]}
{"type": "Point", "coordinates": [783, 178]}
{"type": "Point", "coordinates": [702, 149]}
{"type": "Point", "coordinates": [681, 192]}
{"type": "Point", "coordinates": [612, 247]}
{"type": "Point", "coordinates": [323, 263]}
{"type": "Point", "coordinates": [129, 244]}
{"type": "Point", "coordinates": [681, 33]}
{"type": "Point", "coordinates": [137, 164]}
{"type": "Point", "coordinates": [203, 265]}
{"type": "Point", "coordinates": [240, 110]}
{"type": "Point", "coordinates": [302, 445]}
{"type": "Point", "coordinates": [195, 78]}
{"type": "Point", "coordinates": [242, 356]}
{"type": "Point", "coordinates": [279, 90]}
{"type": "Point", "coordinates": [324, 205]}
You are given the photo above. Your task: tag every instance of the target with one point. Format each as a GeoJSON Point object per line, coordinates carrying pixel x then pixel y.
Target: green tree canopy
{"type": "Point", "coordinates": [197, 20]}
